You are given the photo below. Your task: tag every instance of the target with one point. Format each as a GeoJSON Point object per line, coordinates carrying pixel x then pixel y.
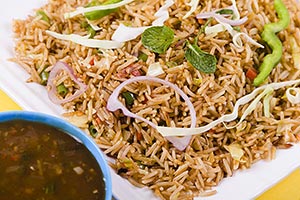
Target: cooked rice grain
{"type": "Point", "coordinates": [142, 155]}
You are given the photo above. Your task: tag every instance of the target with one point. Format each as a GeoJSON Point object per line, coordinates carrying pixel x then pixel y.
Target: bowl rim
{"type": "Point", "coordinates": [69, 129]}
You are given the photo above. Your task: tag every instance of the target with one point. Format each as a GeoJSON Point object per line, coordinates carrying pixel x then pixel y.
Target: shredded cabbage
{"type": "Point", "coordinates": [266, 103]}
{"type": "Point", "coordinates": [82, 10]}
{"type": "Point", "coordinates": [155, 69]}
{"type": "Point", "coordinates": [235, 151]}
{"type": "Point", "coordinates": [171, 131]}
{"type": "Point", "coordinates": [94, 27]}
{"type": "Point", "coordinates": [85, 41]}
{"type": "Point", "coordinates": [214, 29]}
{"type": "Point", "coordinates": [236, 36]}
{"type": "Point", "coordinates": [125, 33]}
{"type": "Point", "coordinates": [193, 4]}
{"type": "Point", "coordinates": [252, 106]}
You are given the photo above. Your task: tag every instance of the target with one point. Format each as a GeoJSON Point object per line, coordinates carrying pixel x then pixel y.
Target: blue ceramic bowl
{"type": "Point", "coordinates": [71, 130]}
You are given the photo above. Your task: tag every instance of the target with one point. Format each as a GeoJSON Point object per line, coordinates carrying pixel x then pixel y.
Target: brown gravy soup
{"type": "Point", "coordinates": [39, 162]}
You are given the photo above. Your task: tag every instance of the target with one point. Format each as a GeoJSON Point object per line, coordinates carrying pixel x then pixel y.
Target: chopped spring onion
{"type": "Point", "coordinates": [93, 131]}
{"type": "Point", "coordinates": [125, 33]}
{"type": "Point", "coordinates": [62, 90]}
{"type": "Point", "coordinates": [129, 98]}
{"type": "Point", "coordinates": [142, 56]}
{"type": "Point", "coordinates": [293, 95]}
{"type": "Point", "coordinates": [193, 4]}
{"type": "Point", "coordinates": [235, 151]}
{"type": "Point", "coordinates": [171, 131]}
{"type": "Point", "coordinates": [155, 69]}
{"type": "Point", "coordinates": [114, 104]}
{"type": "Point", "coordinates": [44, 77]}
{"type": "Point", "coordinates": [85, 41]}
{"type": "Point", "coordinates": [58, 67]}
{"type": "Point", "coordinates": [82, 10]}
{"type": "Point", "coordinates": [93, 26]}
{"type": "Point", "coordinates": [43, 15]}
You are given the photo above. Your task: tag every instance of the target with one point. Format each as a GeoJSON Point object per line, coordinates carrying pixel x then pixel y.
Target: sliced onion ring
{"type": "Point", "coordinates": [114, 104]}
{"type": "Point", "coordinates": [52, 94]}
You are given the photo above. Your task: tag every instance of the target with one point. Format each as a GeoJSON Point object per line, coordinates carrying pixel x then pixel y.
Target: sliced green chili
{"type": "Point", "coordinates": [270, 37]}
{"type": "Point", "coordinates": [94, 15]}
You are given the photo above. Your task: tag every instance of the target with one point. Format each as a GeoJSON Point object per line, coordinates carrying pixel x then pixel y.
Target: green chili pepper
{"type": "Point", "coordinates": [62, 90]}
{"type": "Point", "coordinates": [269, 36]}
{"type": "Point", "coordinates": [94, 15]}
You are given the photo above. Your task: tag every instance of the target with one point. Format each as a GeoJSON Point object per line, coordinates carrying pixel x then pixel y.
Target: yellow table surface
{"type": "Point", "coordinates": [286, 189]}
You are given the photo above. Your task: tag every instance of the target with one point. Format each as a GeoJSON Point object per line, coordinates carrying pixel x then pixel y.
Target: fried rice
{"type": "Point", "coordinates": [142, 155]}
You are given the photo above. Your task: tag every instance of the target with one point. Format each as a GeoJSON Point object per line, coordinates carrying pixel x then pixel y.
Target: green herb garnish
{"type": "Point", "coordinates": [199, 59]}
{"type": "Point", "coordinates": [44, 77]}
{"type": "Point", "coordinates": [142, 56]}
{"type": "Point", "coordinates": [43, 16]}
{"type": "Point", "coordinates": [94, 15]}
{"type": "Point", "coordinates": [158, 38]}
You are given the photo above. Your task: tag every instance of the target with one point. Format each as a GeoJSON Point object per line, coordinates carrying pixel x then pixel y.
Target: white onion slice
{"type": "Point", "coordinates": [114, 104]}
{"type": "Point", "coordinates": [85, 41]}
{"type": "Point", "coordinates": [52, 94]}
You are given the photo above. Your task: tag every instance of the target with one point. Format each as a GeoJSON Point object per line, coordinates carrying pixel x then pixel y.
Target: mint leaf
{"type": "Point", "coordinates": [158, 38]}
{"type": "Point", "coordinates": [201, 60]}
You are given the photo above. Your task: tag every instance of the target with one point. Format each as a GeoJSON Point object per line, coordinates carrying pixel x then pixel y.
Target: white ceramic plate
{"type": "Point", "coordinates": [30, 96]}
